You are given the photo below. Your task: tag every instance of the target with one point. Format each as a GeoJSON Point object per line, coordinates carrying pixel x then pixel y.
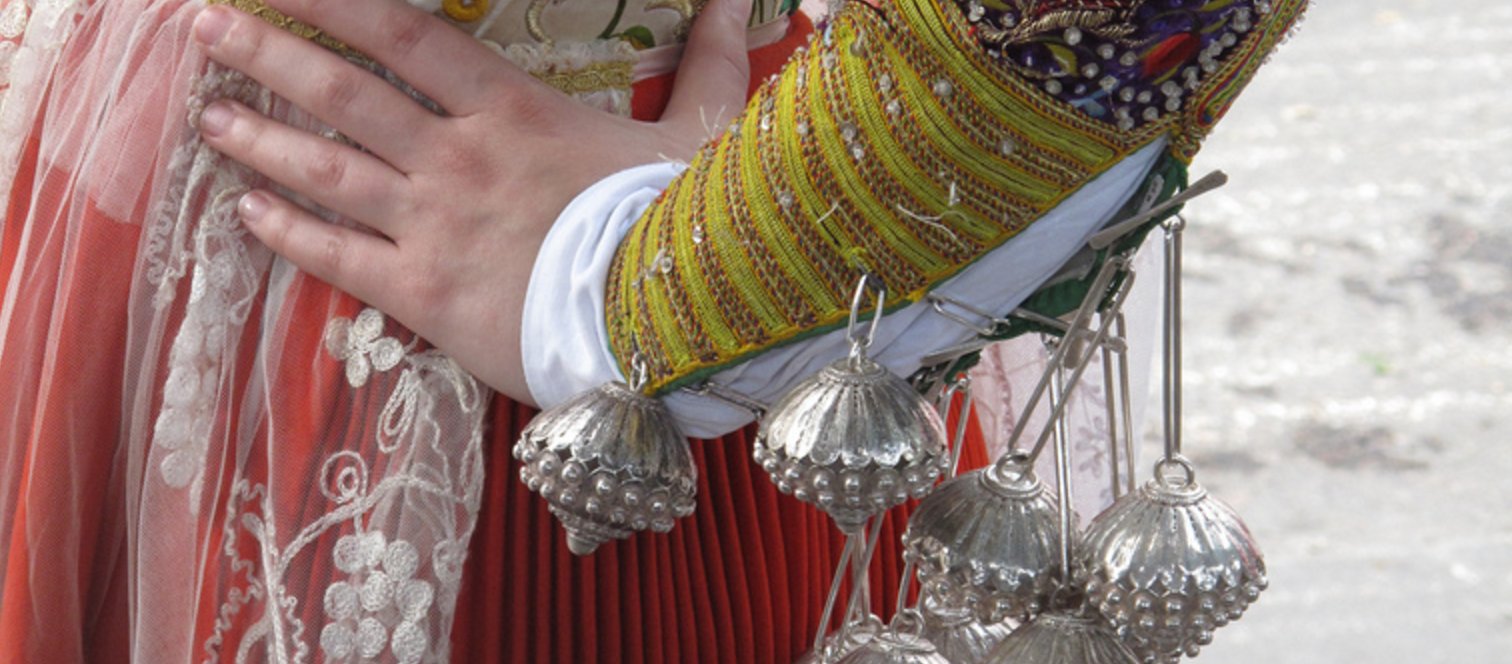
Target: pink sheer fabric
{"type": "Point", "coordinates": [1009, 370]}
{"type": "Point", "coordinates": [173, 487]}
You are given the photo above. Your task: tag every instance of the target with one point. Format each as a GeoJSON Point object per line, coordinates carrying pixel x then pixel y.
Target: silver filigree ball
{"type": "Point", "coordinates": [890, 647]}
{"type": "Point", "coordinates": [843, 642]}
{"type": "Point", "coordinates": [956, 632]}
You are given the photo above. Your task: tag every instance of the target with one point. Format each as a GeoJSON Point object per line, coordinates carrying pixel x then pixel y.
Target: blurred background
{"type": "Point", "coordinates": [1349, 335]}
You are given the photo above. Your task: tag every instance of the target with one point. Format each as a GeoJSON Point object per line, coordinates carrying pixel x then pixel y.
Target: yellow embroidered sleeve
{"type": "Point", "coordinates": [907, 142]}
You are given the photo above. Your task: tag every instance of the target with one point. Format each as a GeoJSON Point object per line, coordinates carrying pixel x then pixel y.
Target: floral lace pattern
{"type": "Point", "coordinates": [358, 557]}
{"type": "Point", "coordinates": [382, 604]}
{"type": "Point", "coordinates": [12, 25]}
{"type": "Point", "coordinates": [225, 266]}
{"type": "Point", "coordinates": [360, 344]}
{"type": "Point", "coordinates": [400, 522]}
{"type": "Point", "coordinates": [30, 38]}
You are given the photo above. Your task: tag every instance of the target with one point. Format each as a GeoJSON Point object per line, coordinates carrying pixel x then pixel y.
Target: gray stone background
{"type": "Point", "coordinates": [1349, 336]}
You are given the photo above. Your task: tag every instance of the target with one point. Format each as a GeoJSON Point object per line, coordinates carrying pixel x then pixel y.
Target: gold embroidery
{"type": "Point", "coordinates": [594, 77]}
{"type": "Point", "coordinates": [533, 21]}
{"type": "Point", "coordinates": [687, 10]}
{"type": "Point", "coordinates": [276, 18]}
{"type": "Point", "coordinates": [895, 139]}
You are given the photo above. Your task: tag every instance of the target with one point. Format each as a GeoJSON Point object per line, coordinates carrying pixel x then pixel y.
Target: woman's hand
{"type": "Point", "coordinates": [460, 203]}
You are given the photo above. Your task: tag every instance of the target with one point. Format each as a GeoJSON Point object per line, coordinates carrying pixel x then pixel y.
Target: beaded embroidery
{"type": "Point", "coordinates": [906, 142]}
{"type": "Point", "coordinates": [1127, 62]}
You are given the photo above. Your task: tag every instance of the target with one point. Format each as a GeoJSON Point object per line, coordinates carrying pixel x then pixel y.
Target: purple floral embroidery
{"type": "Point", "coordinates": [1125, 62]}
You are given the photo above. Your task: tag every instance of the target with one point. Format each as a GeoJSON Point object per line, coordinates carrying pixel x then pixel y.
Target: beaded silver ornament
{"type": "Point", "coordinates": [843, 642]}
{"type": "Point", "coordinates": [854, 439]}
{"type": "Point", "coordinates": [1168, 564]}
{"type": "Point", "coordinates": [957, 634]}
{"type": "Point", "coordinates": [1062, 638]}
{"type": "Point", "coordinates": [989, 541]}
{"type": "Point", "coordinates": [890, 647]}
{"type": "Point", "coordinates": [609, 462]}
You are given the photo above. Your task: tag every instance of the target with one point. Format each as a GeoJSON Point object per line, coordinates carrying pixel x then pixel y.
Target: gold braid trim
{"type": "Point", "coordinates": [892, 145]}
{"type": "Point", "coordinates": [283, 22]}
{"type": "Point", "coordinates": [593, 78]}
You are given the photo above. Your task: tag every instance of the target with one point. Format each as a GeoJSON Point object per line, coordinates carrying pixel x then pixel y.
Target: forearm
{"type": "Point", "coordinates": [904, 146]}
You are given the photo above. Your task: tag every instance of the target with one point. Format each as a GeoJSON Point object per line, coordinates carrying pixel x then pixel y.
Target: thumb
{"type": "Point", "coordinates": [711, 82]}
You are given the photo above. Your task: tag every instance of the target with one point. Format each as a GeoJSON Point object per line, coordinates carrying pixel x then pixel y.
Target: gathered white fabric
{"type": "Point", "coordinates": [565, 342]}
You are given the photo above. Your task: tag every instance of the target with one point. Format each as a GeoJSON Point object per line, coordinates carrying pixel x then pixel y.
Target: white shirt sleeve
{"type": "Point", "coordinates": [566, 344]}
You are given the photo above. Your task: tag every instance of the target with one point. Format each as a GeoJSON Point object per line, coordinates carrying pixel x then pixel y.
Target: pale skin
{"type": "Point", "coordinates": [458, 204]}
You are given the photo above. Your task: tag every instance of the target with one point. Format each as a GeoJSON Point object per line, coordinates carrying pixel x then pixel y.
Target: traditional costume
{"type": "Point", "coordinates": [206, 456]}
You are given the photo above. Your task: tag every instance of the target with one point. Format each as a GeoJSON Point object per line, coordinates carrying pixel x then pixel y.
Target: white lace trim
{"type": "Point", "coordinates": [380, 592]}
{"type": "Point", "coordinates": [24, 67]}
{"type": "Point", "coordinates": [13, 21]}
{"type": "Point", "coordinates": [213, 247]}
{"type": "Point", "coordinates": [402, 512]}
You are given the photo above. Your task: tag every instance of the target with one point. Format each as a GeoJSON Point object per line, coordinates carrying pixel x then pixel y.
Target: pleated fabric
{"type": "Point", "coordinates": [742, 580]}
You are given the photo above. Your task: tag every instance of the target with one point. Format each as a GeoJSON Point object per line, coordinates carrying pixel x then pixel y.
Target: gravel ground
{"type": "Point", "coordinates": [1349, 336]}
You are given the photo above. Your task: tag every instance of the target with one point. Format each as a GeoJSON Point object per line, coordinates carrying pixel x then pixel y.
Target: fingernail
{"type": "Point", "coordinates": [216, 119]}
{"type": "Point", "coordinates": [211, 25]}
{"type": "Point", "coordinates": [252, 207]}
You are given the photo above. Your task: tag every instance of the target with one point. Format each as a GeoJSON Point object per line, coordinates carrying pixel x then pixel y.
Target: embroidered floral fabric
{"type": "Point", "coordinates": [167, 404]}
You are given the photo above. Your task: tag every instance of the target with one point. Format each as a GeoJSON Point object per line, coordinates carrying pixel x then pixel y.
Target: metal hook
{"type": "Point", "coordinates": [1171, 377]}
{"type": "Point", "coordinates": [938, 302]}
{"type": "Point", "coordinates": [1208, 183]}
{"type": "Point", "coordinates": [860, 344]}
{"type": "Point", "coordinates": [640, 373]}
{"type": "Point", "coordinates": [714, 390]}
{"type": "Point", "coordinates": [1083, 315]}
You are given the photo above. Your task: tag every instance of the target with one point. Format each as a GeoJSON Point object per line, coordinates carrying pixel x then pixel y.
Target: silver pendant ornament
{"type": "Point", "coordinates": [842, 642]}
{"type": "Point", "coordinates": [988, 541]}
{"type": "Point", "coordinates": [1062, 638]}
{"type": "Point", "coordinates": [609, 462]}
{"type": "Point", "coordinates": [855, 439]}
{"type": "Point", "coordinates": [993, 539]}
{"type": "Point", "coordinates": [892, 647]}
{"type": "Point", "coordinates": [956, 632]}
{"type": "Point", "coordinates": [1168, 564]}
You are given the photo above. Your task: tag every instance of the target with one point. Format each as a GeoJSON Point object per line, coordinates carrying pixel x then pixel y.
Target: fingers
{"type": "Point", "coordinates": [336, 176]}
{"type": "Point", "coordinates": [444, 63]}
{"type": "Point", "coordinates": [348, 259]}
{"type": "Point", "coordinates": [714, 74]}
{"type": "Point", "coordinates": [362, 106]}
